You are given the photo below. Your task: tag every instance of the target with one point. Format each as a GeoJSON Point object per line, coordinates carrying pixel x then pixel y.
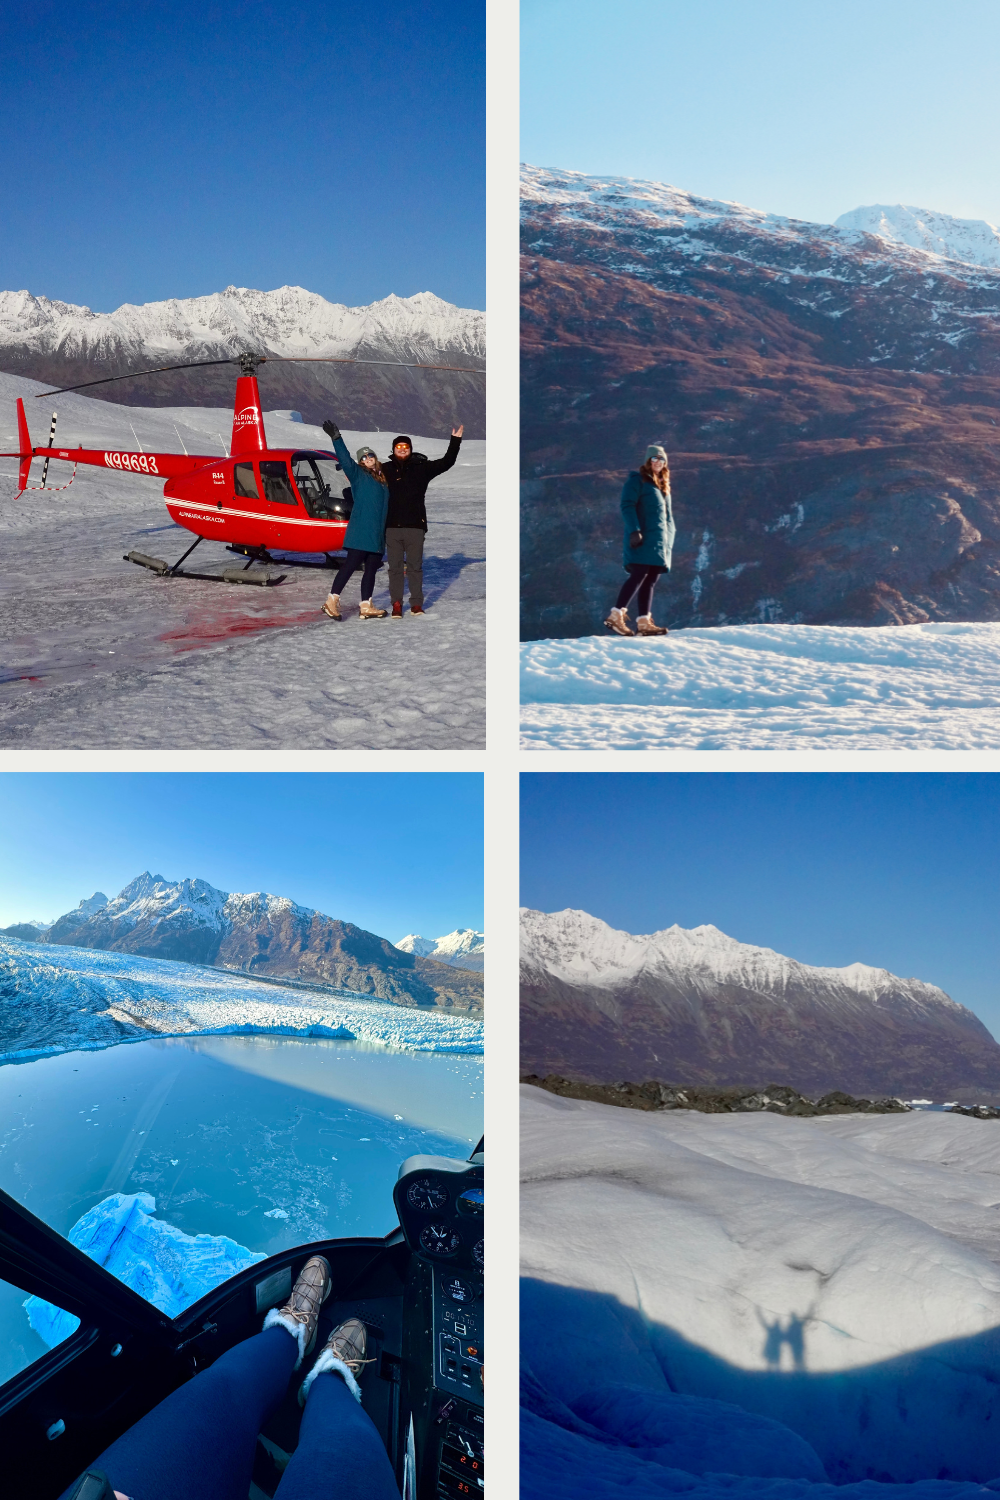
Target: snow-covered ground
{"type": "Point", "coordinates": [100, 653]}
{"type": "Point", "coordinates": [836, 1279]}
{"type": "Point", "coordinates": [767, 687]}
{"type": "Point", "coordinates": [71, 998]}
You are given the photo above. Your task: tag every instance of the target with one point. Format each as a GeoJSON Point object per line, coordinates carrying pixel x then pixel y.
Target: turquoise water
{"type": "Point", "coordinates": [272, 1141]}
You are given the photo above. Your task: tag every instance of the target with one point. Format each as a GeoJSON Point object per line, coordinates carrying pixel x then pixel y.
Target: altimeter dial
{"type": "Point", "coordinates": [478, 1254]}
{"type": "Point", "coordinates": [426, 1194]}
{"type": "Point", "coordinates": [439, 1239]}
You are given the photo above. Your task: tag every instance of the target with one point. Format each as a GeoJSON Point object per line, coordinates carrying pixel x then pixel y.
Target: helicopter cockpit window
{"type": "Point", "coordinates": [321, 484]}
{"type": "Point", "coordinates": [30, 1328]}
{"type": "Point", "coordinates": [245, 482]}
{"type": "Point", "coordinates": [277, 485]}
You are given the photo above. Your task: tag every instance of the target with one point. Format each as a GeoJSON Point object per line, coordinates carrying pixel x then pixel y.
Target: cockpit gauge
{"type": "Point", "coordinates": [478, 1254]}
{"type": "Point", "coordinates": [440, 1239]}
{"type": "Point", "coordinates": [470, 1201]}
{"type": "Point", "coordinates": [426, 1194]}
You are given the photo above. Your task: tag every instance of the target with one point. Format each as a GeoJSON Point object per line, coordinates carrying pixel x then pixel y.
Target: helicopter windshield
{"type": "Point", "coordinates": [178, 1162]}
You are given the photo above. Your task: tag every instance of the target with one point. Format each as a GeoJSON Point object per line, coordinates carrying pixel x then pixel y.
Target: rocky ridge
{"type": "Point", "coordinates": [829, 396]}
{"type": "Point", "coordinates": [260, 934]}
{"type": "Point", "coordinates": [699, 1006]}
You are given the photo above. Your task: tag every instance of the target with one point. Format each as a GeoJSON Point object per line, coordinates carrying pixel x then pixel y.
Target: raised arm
{"type": "Point", "coordinates": [440, 465]}
{"type": "Point", "coordinates": [347, 463]}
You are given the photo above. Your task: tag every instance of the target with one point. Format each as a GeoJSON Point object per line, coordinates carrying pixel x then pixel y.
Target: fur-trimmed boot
{"type": "Point", "coordinates": [618, 622]}
{"type": "Point", "coordinates": [344, 1351]}
{"type": "Point", "coordinates": [645, 626]}
{"type": "Point", "coordinates": [300, 1314]}
{"type": "Point", "coordinates": [367, 611]}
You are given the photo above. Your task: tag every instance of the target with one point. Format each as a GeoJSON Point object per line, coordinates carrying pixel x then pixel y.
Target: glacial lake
{"type": "Point", "coordinates": [273, 1141]}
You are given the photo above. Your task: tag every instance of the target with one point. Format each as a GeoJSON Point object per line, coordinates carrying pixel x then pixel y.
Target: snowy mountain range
{"type": "Point", "coordinates": [61, 343]}
{"type": "Point", "coordinates": [259, 934]}
{"type": "Point", "coordinates": [695, 1006]}
{"type": "Point", "coordinates": [829, 395]}
{"type": "Point", "coordinates": [464, 948]}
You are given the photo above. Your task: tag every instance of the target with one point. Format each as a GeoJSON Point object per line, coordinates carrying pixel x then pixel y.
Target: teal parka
{"type": "Point", "coordinates": [646, 509]}
{"type": "Point", "coordinates": [366, 528]}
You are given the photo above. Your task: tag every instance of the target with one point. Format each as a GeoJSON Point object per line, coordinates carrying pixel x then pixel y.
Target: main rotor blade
{"type": "Point", "coordinates": [402, 364]}
{"type": "Point", "coordinates": [158, 370]}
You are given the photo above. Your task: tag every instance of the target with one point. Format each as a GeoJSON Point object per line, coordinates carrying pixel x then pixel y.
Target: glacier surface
{"type": "Point", "coordinates": [169, 1268]}
{"type": "Point", "coordinates": [837, 1280]}
{"type": "Point", "coordinates": [58, 1000]}
{"type": "Point", "coordinates": [767, 687]}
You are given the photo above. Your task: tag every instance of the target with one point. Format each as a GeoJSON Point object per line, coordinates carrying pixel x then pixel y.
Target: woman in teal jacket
{"type": "Point", "coordinates": [649, 540]}
{"type": "Point", "coordinates": [365, 536]}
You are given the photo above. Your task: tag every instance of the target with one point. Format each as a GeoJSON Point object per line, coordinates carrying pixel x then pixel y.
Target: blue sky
{"type": "Point", "coordinates": [155, 151]}
{"type": "Point", "coordinates": [393, 853]}
{"type": "Point", "coordinates": [801, 109]}
{"type": "Point", "coordinates": [901, 871]}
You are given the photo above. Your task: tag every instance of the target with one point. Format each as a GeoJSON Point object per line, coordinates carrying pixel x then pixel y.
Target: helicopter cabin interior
{"type": "Point", "coordinates": [316, 480]}
{"type": "Point", "coordinates": [419, 1291]}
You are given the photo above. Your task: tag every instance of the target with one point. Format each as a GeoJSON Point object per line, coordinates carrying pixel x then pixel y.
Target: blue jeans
{"type": "Point", "coordinates": [199, 1443]}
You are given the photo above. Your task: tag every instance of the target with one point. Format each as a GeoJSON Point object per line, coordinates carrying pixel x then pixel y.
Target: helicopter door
{"type": "Point", "coordinates": [277, 483]}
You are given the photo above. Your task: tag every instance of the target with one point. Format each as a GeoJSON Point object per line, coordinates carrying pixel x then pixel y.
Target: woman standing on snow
{"type": "Point", "coordinates": [649, 540]}
{"type": "Point", "coordinates": [365, 536]}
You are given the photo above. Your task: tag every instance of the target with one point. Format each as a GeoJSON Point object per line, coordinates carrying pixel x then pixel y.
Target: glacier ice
{"type": "Point", "coordinates": [62, 999]}
{"type": "Point", "coordinates": [169, 1268]}
{"type": "Point", "coordinates": [839, 1277]}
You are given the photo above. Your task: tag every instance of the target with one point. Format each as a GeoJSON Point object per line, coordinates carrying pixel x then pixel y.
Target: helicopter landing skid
{"type": "Point", "coordinates": [261, 554]}
{"type": "Point", "coordinates": [228, 575]}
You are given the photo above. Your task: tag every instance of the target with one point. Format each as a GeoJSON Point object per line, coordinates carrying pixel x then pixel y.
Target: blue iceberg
{"type": "Point", "coordinates": [169, 1268]}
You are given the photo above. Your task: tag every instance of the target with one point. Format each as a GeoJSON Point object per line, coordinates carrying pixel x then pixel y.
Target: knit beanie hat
{"type": "Point", "coordinates": [364, 452]}
{"type": "Point", "coordinates": [655, 451]}
{"type": "Point", "coordinates": [403, 439]}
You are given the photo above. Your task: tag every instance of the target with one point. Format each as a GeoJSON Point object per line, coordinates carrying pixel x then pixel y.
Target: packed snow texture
{"type": "Point", "coordinates": [101, 653]}
{"type": "Point", "coordinates": [583, 950]}
{"type": "Point", "coordinates": [169, 1268]}
{"type": "Point", "coordinates": [463, 949]}
{"type": "Point", "coordinates": [767, 687]}
{"type": "Point", "coordinates": [289, 321]}
{"type": "Point", "coordinates": [61, 999]}
{"type": "Point", "coordinates": [837, 1276]}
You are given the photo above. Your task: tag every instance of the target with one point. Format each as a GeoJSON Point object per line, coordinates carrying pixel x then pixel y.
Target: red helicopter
{"type": "Point", "coordinates": [256, 500]}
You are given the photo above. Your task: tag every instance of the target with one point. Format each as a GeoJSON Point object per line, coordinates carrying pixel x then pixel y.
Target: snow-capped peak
{"type": "Point", "coordinates": [582, 949]}
{"type": "Point", "coordinates": [973, 241]}
{"type": "Point", "coordinates": [464, 948]}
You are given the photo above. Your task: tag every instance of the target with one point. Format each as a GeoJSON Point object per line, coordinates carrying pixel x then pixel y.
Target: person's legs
{"type": "Point", "coordinates": [646, 587]}
{"type": "Point", "coordinates": [372, 561]}
{"type": "Point", "coordinates": [415, 565]}
{"type": "Point", "coordinates": [350, 564]}
{"type": "Point", "coordinates": [395, 546]}
{"type": "Point", "coordinates": [339, 1452]}
{"type": "Point", "coordinates": [199, 1443]}
{"type": "Point", "coordinates": [628, 588]}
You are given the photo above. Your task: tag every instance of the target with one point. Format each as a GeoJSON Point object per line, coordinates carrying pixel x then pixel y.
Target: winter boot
{"type": "Point", "coordinates": [300, 1314]}
{"type": "Point", "coordinates": [344, 1351]}
{"type": "Point", "coordinates": [618, 622]}
{"type": "Point", "coordinates": [397, 609]}
{"type": "Point", "coordinates": [417, 609]}
{"type": "Point", "coordinates": [369, 612]}
{"type": "Point", "coordinates": [645, 626]}
{"type": "Point", "coordinates": [332, 607]}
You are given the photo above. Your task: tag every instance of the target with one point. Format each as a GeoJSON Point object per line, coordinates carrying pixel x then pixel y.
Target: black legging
{"type": "Point", "coordinates": [355, 557]}
{"type": "Point", "coordinates": [641, 576]}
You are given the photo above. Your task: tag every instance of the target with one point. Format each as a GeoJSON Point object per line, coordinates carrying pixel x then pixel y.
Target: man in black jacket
{"type": "Point", "coordinates": [408, 475]}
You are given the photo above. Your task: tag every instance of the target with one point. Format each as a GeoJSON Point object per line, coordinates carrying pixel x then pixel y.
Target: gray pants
{"type": "Point", "coordinates": [405, 542]}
